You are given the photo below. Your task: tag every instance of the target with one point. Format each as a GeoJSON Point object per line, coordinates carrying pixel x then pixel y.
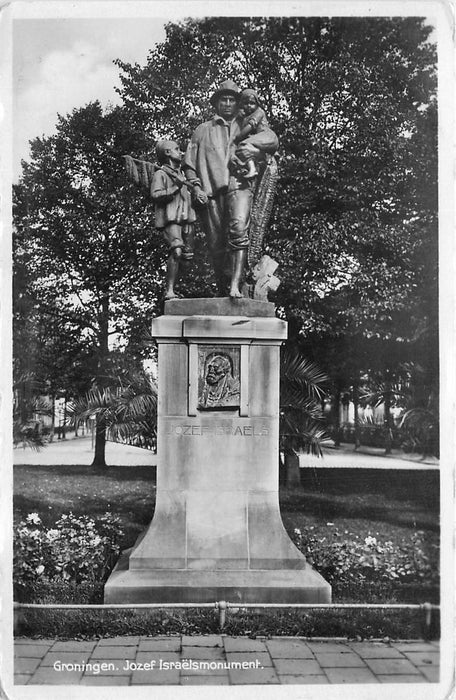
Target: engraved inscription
{"type": "Point", "coordinates": [218, 377]}
{"type": "Point", "coordinates": [240, 430]}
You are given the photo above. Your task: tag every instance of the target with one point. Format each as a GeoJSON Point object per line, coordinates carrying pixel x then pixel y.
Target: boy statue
{"type": "Point", "coordinates": [174, 213]}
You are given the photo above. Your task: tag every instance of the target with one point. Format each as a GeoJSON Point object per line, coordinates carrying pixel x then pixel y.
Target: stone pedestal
{"type": "Point", "coordinates": [217, 533]}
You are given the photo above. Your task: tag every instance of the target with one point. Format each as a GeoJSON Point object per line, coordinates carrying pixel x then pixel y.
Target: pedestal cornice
{"type": "Point", "coordinates": [214, 327]}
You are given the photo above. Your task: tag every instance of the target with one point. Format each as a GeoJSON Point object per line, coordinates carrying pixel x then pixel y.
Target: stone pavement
{"type": "Point", "coordinates": [222, 660]}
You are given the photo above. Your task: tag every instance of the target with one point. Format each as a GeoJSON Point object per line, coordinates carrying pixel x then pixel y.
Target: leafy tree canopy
{"type": "Point", "coordinates": [353, 102]}
{"type": "Point", "coordinates": [88, 253]}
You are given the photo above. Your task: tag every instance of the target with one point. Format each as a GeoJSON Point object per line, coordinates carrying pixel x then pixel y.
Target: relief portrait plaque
{"type": "Point", "coordinates": [218, 377]}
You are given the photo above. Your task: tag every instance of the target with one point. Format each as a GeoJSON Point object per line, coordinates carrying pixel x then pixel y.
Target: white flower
{"type": "Point", "coordinates": [39, 569]}
{"type": "Point", "coordinates": [33, 518]}
{"type": "Point", "coordinates": [370, 541]}
{"type": "Point", "coordinates": [96, 540]}
{"type": "Point", "coordinates": [52, 534]}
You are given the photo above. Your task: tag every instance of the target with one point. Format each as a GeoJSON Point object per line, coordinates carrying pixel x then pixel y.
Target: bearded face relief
{"type": "Point", "coordinates": [218, 381]}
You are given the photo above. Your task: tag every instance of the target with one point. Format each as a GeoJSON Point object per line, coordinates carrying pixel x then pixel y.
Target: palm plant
{"type": "Point", "coordinates": [126, 411]}
{"type": "Point", "coordinates": [302, 388]}
{"type": "Point", "coordinates": [420, 421]}
{"type": "Point", "coordinates": [410, 390]}
{"type": "Point", "coordinates": [422, 431]}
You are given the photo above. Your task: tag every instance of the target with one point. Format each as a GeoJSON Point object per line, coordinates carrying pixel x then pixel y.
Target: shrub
{"type": "Point", "coordinates": [353, 561]}
{"type": "Point", "coordinates": [420, 431]}
{"type": "Point", "coordinates": [76, 550]}
{"type": "Point", "coordinates": [369, 434]}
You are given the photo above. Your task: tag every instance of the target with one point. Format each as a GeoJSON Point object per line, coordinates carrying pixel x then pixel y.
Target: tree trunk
{"type": "Point", "coordinates": [336, 415]}
{"type": "Point", "coordinates": [51, 438]}
{"type": "Point", "coordinates": [282, 472]}
{"type": "Point", "coordinates": [387, 415]}
{"type": "Point", "coordinates": [64, 418]}
{"type": "Point", "coordinates": [292, 470]}
{"type": "Point", "coordinates": [356, 413]}
{"type": "Point", "coordinates": [99, 458]}
{"type": "Point", "coordinates": [100, 431]}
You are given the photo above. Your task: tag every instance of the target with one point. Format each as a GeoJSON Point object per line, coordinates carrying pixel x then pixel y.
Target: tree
{"type": "Point", "coordinates": [353, 102]}
{"type": "Point", "coordinates": [354, 228]}
{"type": "Point", "coordinates": [88, 241]}
{"type": "Point", "coordinates": [47, 350]}
{"type": "Point", "coordinates": [127, 408]}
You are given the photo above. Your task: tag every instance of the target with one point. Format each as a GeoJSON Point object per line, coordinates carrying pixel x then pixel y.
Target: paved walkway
{"type": "Point", "coordinates": [79, 451]}
{"type": "Point", "coordinates": [222, 660]}
{"type": "Point", "coordinates": [345, 456]}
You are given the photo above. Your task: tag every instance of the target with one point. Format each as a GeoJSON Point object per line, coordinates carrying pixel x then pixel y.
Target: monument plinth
{"type": "Point", "coordinates": [217, 533]}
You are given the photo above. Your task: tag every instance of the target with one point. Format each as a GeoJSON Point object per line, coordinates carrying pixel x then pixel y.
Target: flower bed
{"type": "Point", "coordinates": [77, 550]}
{"type": "Point", "coordinates": [345, 560]}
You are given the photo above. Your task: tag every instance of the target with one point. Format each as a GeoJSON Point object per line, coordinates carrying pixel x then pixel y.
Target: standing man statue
{"type": "Point", "coordinates": [226, 195]}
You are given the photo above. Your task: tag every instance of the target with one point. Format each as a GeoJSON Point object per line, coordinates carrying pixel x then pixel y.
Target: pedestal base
{"type": "Point", "coordinates": [235, 586]}
{"type": "Point", "coordinates": [217, 533]}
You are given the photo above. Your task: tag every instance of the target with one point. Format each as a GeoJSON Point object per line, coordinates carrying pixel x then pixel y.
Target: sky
{"type": "Point", "coordinates": [61, 64]}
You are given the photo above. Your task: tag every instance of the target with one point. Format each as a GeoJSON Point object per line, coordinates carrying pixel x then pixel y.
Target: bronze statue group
{"type": "Point", "coordinates": [218, 179]}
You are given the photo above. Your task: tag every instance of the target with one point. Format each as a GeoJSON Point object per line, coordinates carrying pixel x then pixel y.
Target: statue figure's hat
{"type": "Point", "coordinates": [228, 86]}
{"type": "Point", "coordinates": [250, 92]}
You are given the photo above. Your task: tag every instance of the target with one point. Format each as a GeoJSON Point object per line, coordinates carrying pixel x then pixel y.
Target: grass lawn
{"type": "Point", "coordinates": [333, 503]}
{"type": "Point", "coordinates": [388, 505]}
{"type": "Point", "coordinates": [51, 491]}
